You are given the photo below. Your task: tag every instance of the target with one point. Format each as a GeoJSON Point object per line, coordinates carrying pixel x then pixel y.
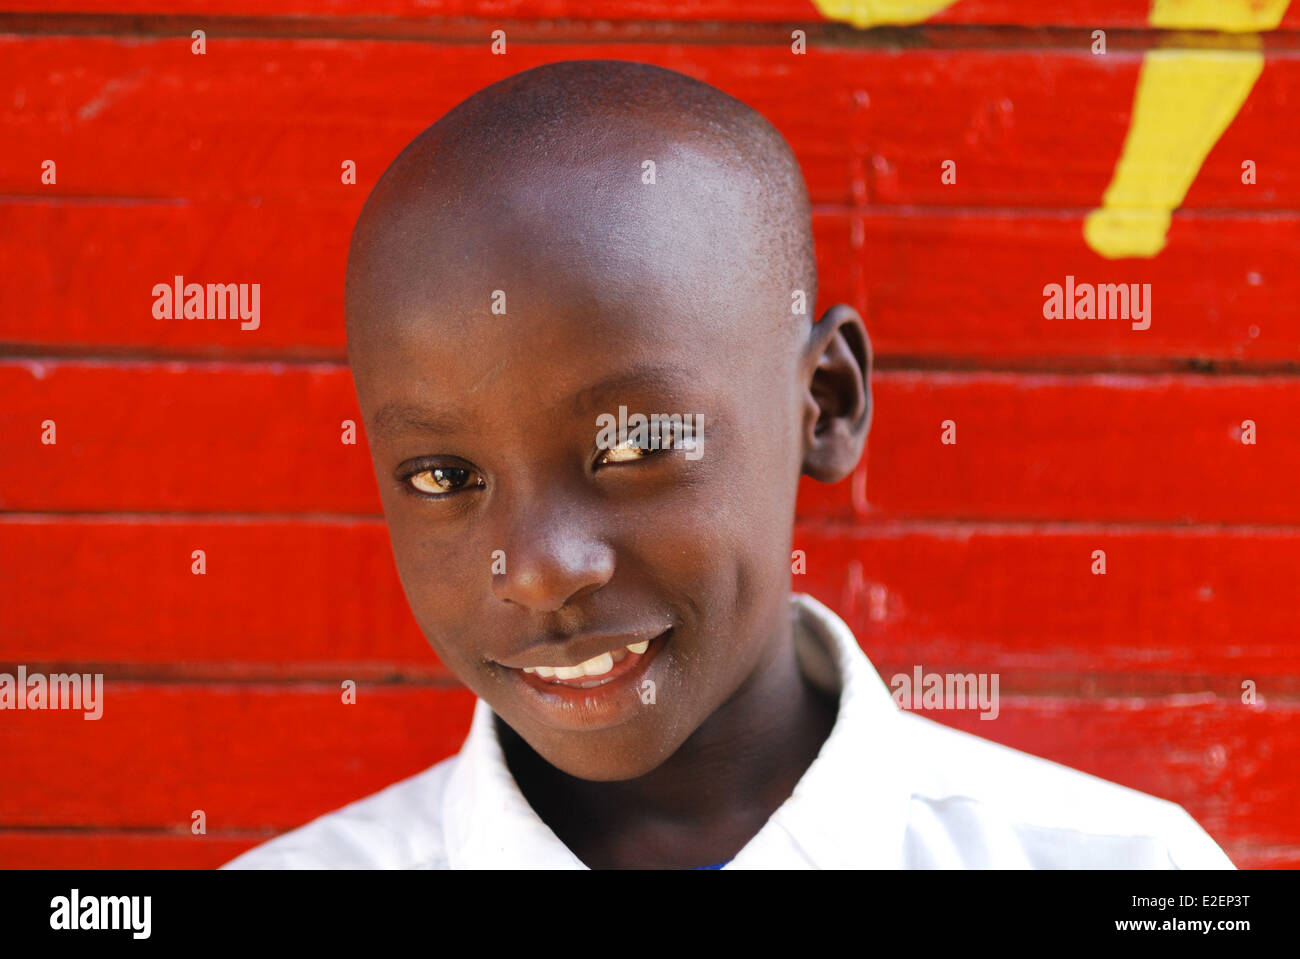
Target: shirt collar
{"type": "Point", "coordinates": [848, 810]}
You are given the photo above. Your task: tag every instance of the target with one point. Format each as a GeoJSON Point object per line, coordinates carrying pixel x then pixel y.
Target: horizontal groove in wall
{"type": "Point", "coordinates": [471, 31]}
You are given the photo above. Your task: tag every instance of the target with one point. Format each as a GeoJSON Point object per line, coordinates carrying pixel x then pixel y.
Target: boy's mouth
{"type": "Point", "coordinates": [604, 690]}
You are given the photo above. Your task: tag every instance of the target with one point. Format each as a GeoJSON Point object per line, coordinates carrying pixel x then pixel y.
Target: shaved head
{"type": "Point", "coordinates": [560, 152]}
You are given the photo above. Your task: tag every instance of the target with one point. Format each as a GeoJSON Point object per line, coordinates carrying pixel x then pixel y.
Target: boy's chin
{"type": "Point", "coordinates": [609, 755]}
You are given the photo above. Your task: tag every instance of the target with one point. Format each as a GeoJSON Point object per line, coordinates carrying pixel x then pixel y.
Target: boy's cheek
{"type": "Point", "coordinates": [454, 642]}
{"type": "Point", "coordinates": [437, 582]}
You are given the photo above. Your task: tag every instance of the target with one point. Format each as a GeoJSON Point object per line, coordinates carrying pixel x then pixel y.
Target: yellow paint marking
{"type": "Point", "coordinates": [1185, 100]}
{"type": "Point", "coordinates": [872, 13]}
{"type": "Point", "coordinates": [1235, 16]}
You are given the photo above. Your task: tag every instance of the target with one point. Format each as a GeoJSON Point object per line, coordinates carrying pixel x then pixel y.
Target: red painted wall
{"type": "Point", "coordinates": [1073, 435]}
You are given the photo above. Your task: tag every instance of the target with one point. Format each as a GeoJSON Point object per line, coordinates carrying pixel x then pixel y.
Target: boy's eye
{"type": "Point", "coordinates": [673, 436]}
{"type": "Point", "coordinates": [442, 480]}
{"type": "Point", "coordinates": [624, 452]}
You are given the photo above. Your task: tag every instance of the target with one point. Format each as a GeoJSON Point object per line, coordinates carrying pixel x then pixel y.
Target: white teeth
{"type": "Point", "coordinates": [596, 666]}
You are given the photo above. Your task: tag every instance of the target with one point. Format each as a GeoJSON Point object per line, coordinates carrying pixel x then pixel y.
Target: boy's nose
{"type": "Point", "coordinates": [550, 557]}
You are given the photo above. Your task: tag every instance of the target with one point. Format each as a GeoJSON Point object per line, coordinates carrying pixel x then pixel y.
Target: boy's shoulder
{"type": "Point", "coordinates": [398, 827]}
{"type": "Point", "coordinates": [944, 798]}
{"type": "Point", "coordinates": [978, 803]}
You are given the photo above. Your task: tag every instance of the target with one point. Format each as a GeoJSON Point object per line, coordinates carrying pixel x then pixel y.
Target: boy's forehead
{"type": "Point", "coordinates": [571, 315]}
{"type": "Point", "coordinates": [595, 281]}
{"type": "Point", "coordinates": [597, 229]}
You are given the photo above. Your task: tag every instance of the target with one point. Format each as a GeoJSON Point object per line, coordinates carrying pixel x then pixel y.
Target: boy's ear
{"type": "Point", "coordinates": [837, 402]}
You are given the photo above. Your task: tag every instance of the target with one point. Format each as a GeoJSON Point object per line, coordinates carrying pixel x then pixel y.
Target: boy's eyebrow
{"type": "Point", "coordinates": [667, 377]}
{"type": "Point", "coordinates": [397, 417]}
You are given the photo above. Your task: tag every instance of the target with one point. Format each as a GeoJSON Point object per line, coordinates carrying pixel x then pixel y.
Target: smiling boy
{"type": "Point", "coordinates": [588, 236]}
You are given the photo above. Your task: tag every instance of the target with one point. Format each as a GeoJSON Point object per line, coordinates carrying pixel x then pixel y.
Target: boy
{"type": "Point", "coordinates": [577, 245]}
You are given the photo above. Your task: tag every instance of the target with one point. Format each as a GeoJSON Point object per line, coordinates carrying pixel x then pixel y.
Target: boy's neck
{"type": "Point", "coordinates": [707, 800]}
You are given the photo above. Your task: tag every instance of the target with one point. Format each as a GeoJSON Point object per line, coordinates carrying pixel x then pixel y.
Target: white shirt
{"type": "Point", "coordinates": [889, 789]}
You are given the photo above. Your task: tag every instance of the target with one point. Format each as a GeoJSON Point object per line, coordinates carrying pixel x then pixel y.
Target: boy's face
{"type": "Point", "coordinates": [483, 431]}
